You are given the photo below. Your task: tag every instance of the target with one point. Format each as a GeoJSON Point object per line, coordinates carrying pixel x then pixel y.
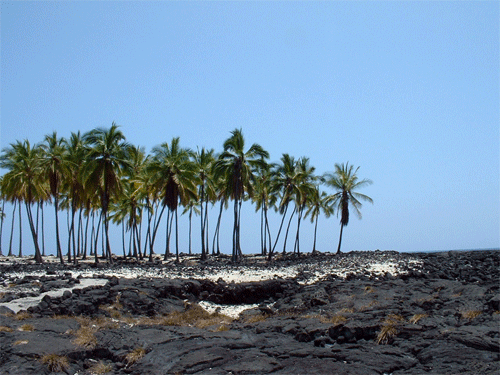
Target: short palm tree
{"type": "Point", "coordinates": [106, 162]}
{"type": "Point", "coordinates": [236, 167]}
{"type": "Point", "coordinates": [317, 205]}
{"type": "Point", "coordinates": [345, 181]}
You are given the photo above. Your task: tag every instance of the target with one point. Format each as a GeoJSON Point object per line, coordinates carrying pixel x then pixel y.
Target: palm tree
{"type": "Point", "coordinates": [203, 163]}
{"type": "Point", "coordinates": [284, 187]}
{"type": "Point", "coordinates": [345, 181]}
{"type": "Point", "coordinates": [305, 189]}
{"type": "Point", "coordinates": [75, 156]}
{"type": "Point", "coordinates": [23, 181]}
{"type": "Point", "coordinates": [174, 175]}
{"type": "Point", "coordinates": [263, 200]}
{"type": "Point", "coordinates": [317, 205]}
{"type": "Point", "coordinates": [106, 161]}
{"type": "Point", "coordinates": [237, 168]}
{"type": "Point", "coordinates": [54, 167]}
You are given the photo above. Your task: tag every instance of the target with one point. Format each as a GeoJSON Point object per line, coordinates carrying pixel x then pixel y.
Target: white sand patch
{"type": "Point", "coordinates": [308, 273]}
{"type": "Point", "coordinates": [233, 311]}
{"type": "Point", "coordinates": [26, 302]}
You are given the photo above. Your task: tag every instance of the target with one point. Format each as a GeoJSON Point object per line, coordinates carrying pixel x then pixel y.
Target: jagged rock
{"type": "Point", "coordinates": [440, 318]}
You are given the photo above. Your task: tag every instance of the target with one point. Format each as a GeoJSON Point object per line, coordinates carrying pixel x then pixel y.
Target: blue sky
{"type": "Point", "coordinates": [408, 91]}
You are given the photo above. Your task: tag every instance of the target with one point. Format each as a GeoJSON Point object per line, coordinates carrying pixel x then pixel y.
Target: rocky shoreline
{"type": "Point", "coordinates": [356, 313]}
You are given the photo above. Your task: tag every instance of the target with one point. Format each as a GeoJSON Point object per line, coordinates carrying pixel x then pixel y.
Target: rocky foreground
{"type": "Point", "coordinates": [356, 313]}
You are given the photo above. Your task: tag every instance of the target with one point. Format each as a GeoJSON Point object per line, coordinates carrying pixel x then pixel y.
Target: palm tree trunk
{"type": "Point", "coordinates": [43, 230]}
{"type": "Point", "coordinates": [123, 240]}
{"type": "Point", "coordinates": [268, 230]}
{"type": "Point", "coordinates": [278, 235]}
{"type": "Point", "coordinates": [207, 250]}
{"type": "Point", "coordinates": [38, 254]}
{"type": "Point", "coordinates": [96, 255]}
{"type": "Point", "coordinates": [190, 227]}
{"type": "Point", "coordinates": [287, 230]}
{"type": "Point", "coordinates": [84, 256]}
{"type": "Point", "coordinates": [12, 230]}
{"type": "Point", "coordinates": [202, 197]}
{"type": "Point", "coordinates": [216, 234]}
{"type": "Point", "coordinates": [156, 224]}
{"type": "Point", "coordinates": [297, 238]}
{"type": "Point", "coordinates": [315, 231]}
{"type": "Point", "coordinates": [58, 241]}
{"type": "Point", "coordinates": [177, 236]}
{"type": "Point", "coordinates": [108, 247]}
{"type": "Point", "coordinates": [340, 239]}
{"type": "Point", "coordinates": [2, 216]}
{"type": "Point", "coordinates": [20, 232]}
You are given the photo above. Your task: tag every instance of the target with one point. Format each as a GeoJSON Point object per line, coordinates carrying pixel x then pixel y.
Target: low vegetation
{"type": "Point", "coordinates": [55, 363]}
{"type": "Point", "coordinates": [135, 356]}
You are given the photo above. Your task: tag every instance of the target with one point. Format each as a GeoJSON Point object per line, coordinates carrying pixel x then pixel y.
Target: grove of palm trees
{"type": "Point", "coordinates": [98, 179]}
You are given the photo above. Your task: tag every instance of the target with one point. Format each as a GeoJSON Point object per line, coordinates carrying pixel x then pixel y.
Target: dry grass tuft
{"type": "Point", "coordinates": [389, 328]}
{"type": "Point", "coordinates": [5, 329]}
{"type": "Point", "coordinates": [335, 319]}
{"type": "Point", "coordinates": [347, 310]}
{"type": "Point", "coordinates": [100, 368]}
{"type": "Point", "coordinates": [369, 289]}
{"type": "Point", "coordinates": [471, 314]}
{"type": "Point", "coordinates": [85, 337]}
{"type": "Point", "coordinates": [55, 363]}
{"type": "Point", "coordinates": [415, 318]}
{"type": "Point", "coordinates": [27, 328]}
{"type": "Point", "coordinates": [195, 315]}
{"type": "Point", "coordinates": [20, 342]}
{"type": "Point", "coordinates": [135, 355]}
{"type": "Point", "coordinates": [257, 318]}
{"type": "Point", "coordinates": [23, 315]}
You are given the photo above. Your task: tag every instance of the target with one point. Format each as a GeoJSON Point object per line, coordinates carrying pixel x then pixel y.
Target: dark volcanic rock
{"type": "Point", "coordinates": [441, 318]}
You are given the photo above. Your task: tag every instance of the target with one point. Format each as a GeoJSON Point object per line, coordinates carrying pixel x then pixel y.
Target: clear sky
{"type": "Point", "coordinates": [408, 91]}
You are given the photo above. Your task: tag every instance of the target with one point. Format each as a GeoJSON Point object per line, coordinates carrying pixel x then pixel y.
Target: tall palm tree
{"type": "Point", "coordinates": [53, 165]}
{"type": "Point", "coordinates": [345, 181]}
{"type": "Point", "coordinates": [237, 167]}
{"type": "Point", "coordinates": [305, 189]}
{"type": "Point", "coordinates": [23, 180]}
{"type": "Point", "coordinates": [106, 161]}
{"type": "Point", "coordinates": [174, 175]}
{"type": "Point", "coordinates": [75, 157]}
{"type": "Point", "coordinates": [203, 163]}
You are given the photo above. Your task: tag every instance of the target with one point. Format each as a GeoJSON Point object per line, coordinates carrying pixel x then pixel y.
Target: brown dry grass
{"type": "Point", "coordinates": [417, 317]}
{"type": "Point", "coordinates": [27, 328]}
{"type": "Point", "coordinates": [55, 363]}
{"type": "Point", "coordinates": [100, 368]}
{"type": "Point", "coordinates": [5, 329]}
{"type": "Point", "coordinates": [135, 355]}
{"type": "Point", "coordinates": [389, 328]}
{"type": "Point", "coordinates": [85, 337]}
{"type": "Point", "coordinates": [470, 314]}
{"type": "Point", "coordinates": [23, 315]}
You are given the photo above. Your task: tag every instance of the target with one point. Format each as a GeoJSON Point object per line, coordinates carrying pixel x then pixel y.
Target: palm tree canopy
{"type": "Point", "coordinates": [23, 181]}
{"type": "Point", "coordinates": [173, 174]}
{"type": "Point", "coordinates": [345, 181]}
{"type": "Point", "coordinates": [237, 167]}
{"type": "Point", "coordinates": [107, 160]}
